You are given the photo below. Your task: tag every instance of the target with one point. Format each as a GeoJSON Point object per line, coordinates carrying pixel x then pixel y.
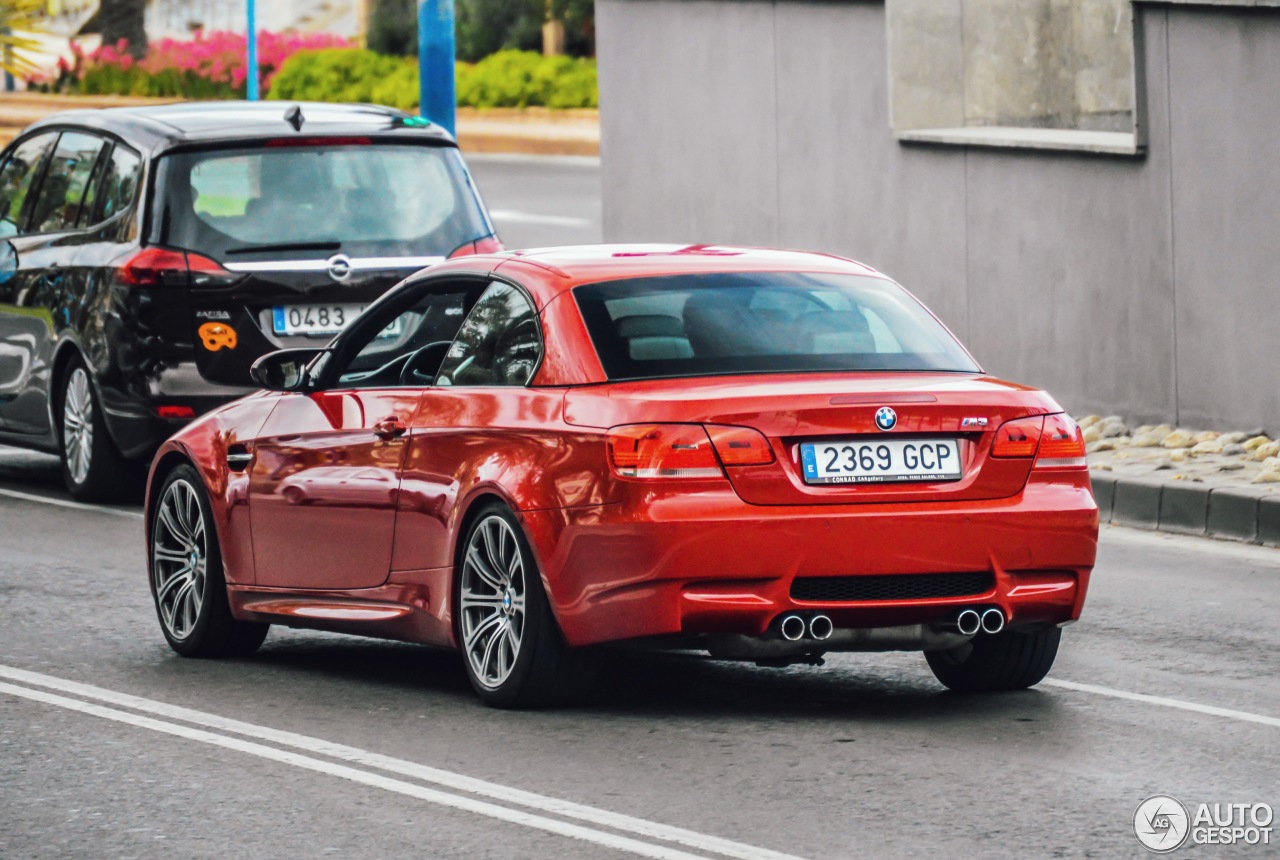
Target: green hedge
{"type": "Point", "coordinates": [504, 79]}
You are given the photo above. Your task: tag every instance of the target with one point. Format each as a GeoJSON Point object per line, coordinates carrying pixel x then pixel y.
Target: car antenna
{"type": "Point", "coordinates": [294, 117]}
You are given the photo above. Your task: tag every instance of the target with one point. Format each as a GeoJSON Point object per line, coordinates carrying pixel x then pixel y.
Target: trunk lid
{"type": "Point", "coordinates": [794, 409]}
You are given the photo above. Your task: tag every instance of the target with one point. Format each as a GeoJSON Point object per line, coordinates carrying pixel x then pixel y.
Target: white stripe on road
{"type": "Point", "coordinates": [63, 503]}
{"type": "Point", "coordinates": [515, 217]}
{"type": "Point", "coordinates": [431, 795]}
{"type": "Point", "coordinates": [1211, 710]}
{"type": "Point", "coordinates": [447, 779]}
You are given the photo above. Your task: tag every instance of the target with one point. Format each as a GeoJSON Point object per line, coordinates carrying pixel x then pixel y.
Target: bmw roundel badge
{"type": "Point", "coordinates": [886, 418]}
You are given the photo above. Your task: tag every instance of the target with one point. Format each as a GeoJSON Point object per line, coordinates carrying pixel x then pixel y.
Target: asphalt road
{"type": "Point", "coordinates": [112, 746]}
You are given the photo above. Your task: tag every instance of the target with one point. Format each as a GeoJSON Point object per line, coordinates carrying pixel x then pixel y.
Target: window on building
{"type": "Point", "coordinates": [1029, 73]}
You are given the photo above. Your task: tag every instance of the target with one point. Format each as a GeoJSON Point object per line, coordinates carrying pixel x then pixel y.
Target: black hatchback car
{"type": "Point", "coordinates": [161, 250]}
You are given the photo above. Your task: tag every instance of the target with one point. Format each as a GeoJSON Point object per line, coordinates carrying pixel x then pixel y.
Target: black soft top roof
{"type": "Point", "coordinates": [161, 127]}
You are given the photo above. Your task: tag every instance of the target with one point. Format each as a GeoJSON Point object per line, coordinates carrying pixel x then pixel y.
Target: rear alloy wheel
{"type": "Point", "coordinates": [512, 648]}
{"type": "Point", "coordinates": [92, 468]}
{"type": "Point", "coordinates": [186, 575]}
{"type": "Point", "coordinates": [1006, 661]}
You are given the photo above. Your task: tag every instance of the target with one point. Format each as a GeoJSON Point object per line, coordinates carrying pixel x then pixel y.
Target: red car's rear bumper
{"type": "Point", "coordinates": [707, 562]}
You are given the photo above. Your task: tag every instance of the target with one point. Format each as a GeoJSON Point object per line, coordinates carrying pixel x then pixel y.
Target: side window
{"type": "Point", "coordinates": [62, 191]}
{"type": "Point", "coordinates": [499, 344]}
{"type": "Point", "coordinates": [409, 349]}
{"type": "Point", "coordinates": [115, 190]}
{"type": "Point", "coordinates": [16, 175]}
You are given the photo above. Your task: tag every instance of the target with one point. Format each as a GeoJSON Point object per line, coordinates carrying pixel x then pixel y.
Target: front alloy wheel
{"type": "Point", "coordinates": [513, 651]}
{"type": "Point", "coordinates": [187, 579]}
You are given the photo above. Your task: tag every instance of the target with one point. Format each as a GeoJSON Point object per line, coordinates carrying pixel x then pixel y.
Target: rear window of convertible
{"type": "Point", "coordinates": [724, 323]}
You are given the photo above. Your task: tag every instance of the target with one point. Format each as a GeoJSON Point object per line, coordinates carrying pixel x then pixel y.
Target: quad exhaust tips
{"type": "Point", "coordinates": [794, 627]}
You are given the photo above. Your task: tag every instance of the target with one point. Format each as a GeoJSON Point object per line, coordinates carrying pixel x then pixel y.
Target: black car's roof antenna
{"type": "Point", "coordinates": [294, 117]}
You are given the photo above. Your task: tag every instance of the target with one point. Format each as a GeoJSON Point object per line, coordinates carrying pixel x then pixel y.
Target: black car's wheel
{"type": "Point", "coordinates": [1005, 661]}
{"type": "Point", "coordinates": [186, 575]}
{"type": "Point", "coordinates": [92, 468]}
{"type": "Point", "coordinates": [514, 653]}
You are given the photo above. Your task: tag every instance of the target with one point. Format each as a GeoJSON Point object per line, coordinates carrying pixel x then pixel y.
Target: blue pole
{"type": "Point", "coordinates": [251, 65]}
{"type": "Point", "coordinates": [438, 100]}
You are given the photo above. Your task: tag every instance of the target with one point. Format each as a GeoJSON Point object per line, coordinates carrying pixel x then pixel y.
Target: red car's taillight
{"type": "Point", "coordinates": [163, 267]}
{"type": "Point", "coordinates": [1018, 439]}
{"type": "Point", "coordinates": [1062, 444]}
{"type": "Point", "coordinates": [487, 245]}
{"type": "Point", "coordinates": [740, 446]}
{"type": "Point", "coordinates": [662, 451]}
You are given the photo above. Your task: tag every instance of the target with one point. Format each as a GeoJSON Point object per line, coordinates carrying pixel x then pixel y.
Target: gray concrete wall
{"type": "Point", "coordinates": [1140, 286]}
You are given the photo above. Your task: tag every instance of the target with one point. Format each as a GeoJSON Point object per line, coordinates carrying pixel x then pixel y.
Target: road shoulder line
{"type": "Point", "coordinates": [1162, 701]}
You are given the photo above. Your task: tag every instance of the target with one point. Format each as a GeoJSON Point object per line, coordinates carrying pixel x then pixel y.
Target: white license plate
{"type": "Point", "coordinates": [319, 319]}
{"type": "Point", "coordinates": [869, 461]}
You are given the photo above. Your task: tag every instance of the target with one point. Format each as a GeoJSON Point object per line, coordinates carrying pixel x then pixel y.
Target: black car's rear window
{"type": "Point", "coordinates": [708, 324]}
{"type": "Point", "coordinates": [363, 199]}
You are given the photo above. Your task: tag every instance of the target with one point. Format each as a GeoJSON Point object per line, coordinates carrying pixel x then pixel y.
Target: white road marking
{"type": "Point", "coordinates": [63, 503]}
{"type": "Point", "coordinates": [431, 795]}
{"type": "Point", "coordinates": [447, 779]}
{"type": "Point", "coordinates": [1211, 710]}
{"type": "Point", "coordinates": [515, 217]}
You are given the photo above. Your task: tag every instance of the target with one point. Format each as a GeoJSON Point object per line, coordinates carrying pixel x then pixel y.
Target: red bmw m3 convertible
{"type": "Point", "coordinates": [523, 456]}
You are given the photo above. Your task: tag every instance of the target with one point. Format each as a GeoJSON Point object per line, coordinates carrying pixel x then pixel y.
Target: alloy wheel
{"type": "Point", "coordinates": [77, 425]}
{"type": "Point", "coordinates": [179, 559]}
{"type": "Point", "coordinates": [492, 601]}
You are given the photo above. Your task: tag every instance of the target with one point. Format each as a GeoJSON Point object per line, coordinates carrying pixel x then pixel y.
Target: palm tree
{"type": "Point", "coordinates": [19, 19]}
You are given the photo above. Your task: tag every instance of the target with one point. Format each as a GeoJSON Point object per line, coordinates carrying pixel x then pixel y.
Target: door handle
{"type": "Point", "coordinates": [238, 460]}
{"type": "Point", "coordinates": [389, 428]}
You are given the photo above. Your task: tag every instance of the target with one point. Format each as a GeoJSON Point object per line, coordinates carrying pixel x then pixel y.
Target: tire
{"type": "Point", "coordinates": [512, 649]}
{"type": "Point", "coordinates": [1005, 661]}
{"type": "Point", "coordinates": [187, 581]}
{"type": "Point", "coordinates": [92, 469]}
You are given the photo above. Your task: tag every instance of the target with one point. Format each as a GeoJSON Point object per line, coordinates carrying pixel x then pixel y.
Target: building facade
{"type": "Point", "coordinates": [1129, 264]}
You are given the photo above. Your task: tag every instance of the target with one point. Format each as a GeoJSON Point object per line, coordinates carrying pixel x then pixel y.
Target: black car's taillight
{"type": "Point", "coordinates": [165, 267]}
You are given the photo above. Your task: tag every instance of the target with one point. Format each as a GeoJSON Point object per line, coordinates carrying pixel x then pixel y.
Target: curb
{"type": "Point", "coordinates": [1228, 513]}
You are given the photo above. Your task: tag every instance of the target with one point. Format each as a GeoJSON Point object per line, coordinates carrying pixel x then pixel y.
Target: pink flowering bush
{"type": "Point", "coordinates": [208, 66]}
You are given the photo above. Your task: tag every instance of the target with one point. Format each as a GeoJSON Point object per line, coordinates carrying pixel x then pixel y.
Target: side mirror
{"type": "Point", "coordinates": [284, 369]}
{"type": "Point", "coordinates": [8, 261]}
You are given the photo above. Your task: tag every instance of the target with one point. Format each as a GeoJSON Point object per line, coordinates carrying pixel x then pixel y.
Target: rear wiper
{"type": "Point", "coordinates": [331, 245]}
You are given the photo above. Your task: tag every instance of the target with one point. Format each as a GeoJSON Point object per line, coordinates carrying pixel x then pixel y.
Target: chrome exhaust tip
{"type": "Point", "coordinates": [821, 627]}
{"type": "Point", "coordinates": [969, 622]}
{"type": "Point", "coordinates": [992, 621]}
{"type": "Point", "coordinates": [792, 628]}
